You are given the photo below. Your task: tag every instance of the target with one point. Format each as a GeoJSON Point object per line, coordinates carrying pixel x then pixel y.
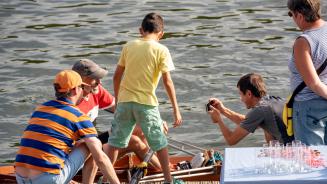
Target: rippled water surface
{"type": "Point", "coordinates": [212, 43]}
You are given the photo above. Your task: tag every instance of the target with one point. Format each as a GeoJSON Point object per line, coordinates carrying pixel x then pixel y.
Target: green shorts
{"type": "Point", "coordinates": [127, 114]}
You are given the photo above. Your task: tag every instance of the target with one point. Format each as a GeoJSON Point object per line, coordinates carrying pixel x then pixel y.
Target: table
{"type": "Point", "coordinates": [239, 168]}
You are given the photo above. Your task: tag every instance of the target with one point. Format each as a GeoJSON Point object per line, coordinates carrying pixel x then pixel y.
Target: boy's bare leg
{"type": "Point", "coordinates": [113, 154]}
{"type": "Point", "coordinates": [164, 161]}
{"type": "Point", "coordinates": [154, 161]}
{"type": "Point", "coordinates": [137, 146]}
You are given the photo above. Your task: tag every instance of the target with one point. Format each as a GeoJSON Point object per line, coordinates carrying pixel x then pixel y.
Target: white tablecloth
{"type": "Point", "coordinates": [240, 164]}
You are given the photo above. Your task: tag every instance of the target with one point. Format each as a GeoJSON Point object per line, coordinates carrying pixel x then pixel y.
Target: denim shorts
{"type": "Point", "coordinates": [309, 121]}
{"type": "Point", "coordinates": [73, 164]}
{"type": "Point", "coordinates": [127, 114]}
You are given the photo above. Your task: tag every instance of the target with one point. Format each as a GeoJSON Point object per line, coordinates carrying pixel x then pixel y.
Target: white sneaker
{"type": "Point", "coordinates": [197, 160]}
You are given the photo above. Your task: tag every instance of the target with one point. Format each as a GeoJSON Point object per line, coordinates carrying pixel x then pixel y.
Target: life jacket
{"type": "Point", "coordinates": [276, 104]}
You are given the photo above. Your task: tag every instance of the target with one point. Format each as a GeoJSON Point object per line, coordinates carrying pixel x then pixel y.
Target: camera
{"type": "Point", "coordinates": [208, 108]}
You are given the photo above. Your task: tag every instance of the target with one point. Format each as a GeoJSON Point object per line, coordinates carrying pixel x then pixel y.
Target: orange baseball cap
{"type": "Point", "coordinates": [67, 80]}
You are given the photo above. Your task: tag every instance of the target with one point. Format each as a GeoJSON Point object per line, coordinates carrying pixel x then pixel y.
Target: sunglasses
{"type": "Point", "coordinates": [92, 84]}
{"type": "Point", "coordinates": [290, 14]}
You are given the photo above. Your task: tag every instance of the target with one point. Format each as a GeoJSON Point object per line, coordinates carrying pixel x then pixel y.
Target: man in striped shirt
{"type": "Point", "coordinates": [49, 152]}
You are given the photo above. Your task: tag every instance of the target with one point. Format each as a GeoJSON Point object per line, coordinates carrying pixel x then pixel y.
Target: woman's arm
{"type": "Point", "coordinates": [304, 64]}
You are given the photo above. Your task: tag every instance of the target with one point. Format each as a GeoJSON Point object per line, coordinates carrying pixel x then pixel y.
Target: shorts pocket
{"type": "Point", "coordinates": [315, 119]}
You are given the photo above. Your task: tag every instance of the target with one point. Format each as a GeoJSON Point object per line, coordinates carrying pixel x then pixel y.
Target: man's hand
{"type": "Point", "coordinates": [215, 115]}
{"type": "Point", "coordinates": [217, 104]}
{"type": "Point", "coordinates": [79, 142]}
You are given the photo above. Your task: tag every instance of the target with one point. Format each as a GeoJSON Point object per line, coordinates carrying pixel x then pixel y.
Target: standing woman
{"type": "Point", "coordinates": [309, 53]}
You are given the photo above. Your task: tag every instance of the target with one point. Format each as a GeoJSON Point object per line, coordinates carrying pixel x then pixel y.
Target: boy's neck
{"type": "Point", "coordinates": [151, 36]}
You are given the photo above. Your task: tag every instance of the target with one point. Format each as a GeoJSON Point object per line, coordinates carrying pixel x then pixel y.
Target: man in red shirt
{"type": "Point", "coordinates": [96, 97]}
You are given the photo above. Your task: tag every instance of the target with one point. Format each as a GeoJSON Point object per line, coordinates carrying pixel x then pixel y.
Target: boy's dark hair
{"type": "Point", "coordinates": [254, 83]}
{"type": "Point", "coordinates": [310, 9]}
{"type": "Point", "coordinates": [152, 23]}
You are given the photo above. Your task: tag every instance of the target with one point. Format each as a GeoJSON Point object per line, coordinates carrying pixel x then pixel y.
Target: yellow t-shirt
{"type": "Point", "coordinates": [144, 62]}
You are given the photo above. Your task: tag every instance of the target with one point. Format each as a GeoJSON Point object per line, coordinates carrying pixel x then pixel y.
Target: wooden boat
{"type": "Point", "coordinates": [126, 163]}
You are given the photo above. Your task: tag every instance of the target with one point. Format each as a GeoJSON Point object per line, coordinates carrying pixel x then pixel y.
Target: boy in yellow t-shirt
{"type": "Point", "coordinates": [141, 64]}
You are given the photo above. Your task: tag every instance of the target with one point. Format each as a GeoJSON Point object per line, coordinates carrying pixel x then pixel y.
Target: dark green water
{"type": "Point", "coordinates": [212, 43]}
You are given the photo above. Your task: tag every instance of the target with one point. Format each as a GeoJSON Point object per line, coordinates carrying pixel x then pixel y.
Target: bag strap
{"type": "Point", "coordinates": [302, 85]}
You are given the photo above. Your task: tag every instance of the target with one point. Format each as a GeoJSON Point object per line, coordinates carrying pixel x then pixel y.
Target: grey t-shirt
{"type": "Point", "coordinates": [262, 116]}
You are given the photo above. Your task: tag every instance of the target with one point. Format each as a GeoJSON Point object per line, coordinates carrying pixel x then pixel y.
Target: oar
{"type": "Point", "coordinates": [139, 172]}
{"type": "Point", "coordinates": [187, 144]}
{"type": "Point", "coordinates": [178, 177]}
{"type": "Point", "coordinates": [181, 149]}
{"type": "Point", "coordinates": [177, 173]}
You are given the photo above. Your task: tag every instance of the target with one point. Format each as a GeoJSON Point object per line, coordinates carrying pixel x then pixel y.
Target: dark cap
{"type": "Point", "coordinates": [88, 68]}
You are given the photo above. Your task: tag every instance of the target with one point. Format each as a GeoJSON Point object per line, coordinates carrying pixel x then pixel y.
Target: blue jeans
{"type": "Point", "coordinates": [73, 164]}
{"type": "Point", "coordinates": [309, 121]}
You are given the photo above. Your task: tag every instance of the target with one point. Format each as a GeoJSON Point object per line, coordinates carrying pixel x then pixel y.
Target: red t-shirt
{"type": "Point", "coordinates": [91, 104]}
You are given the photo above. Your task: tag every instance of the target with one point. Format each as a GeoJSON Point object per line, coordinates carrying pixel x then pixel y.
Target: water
{"type": "Point", "coordinates": [212, 43]}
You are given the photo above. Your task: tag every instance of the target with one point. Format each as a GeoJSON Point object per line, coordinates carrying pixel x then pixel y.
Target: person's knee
{"type": "Point", "coordinates": [137, 145]}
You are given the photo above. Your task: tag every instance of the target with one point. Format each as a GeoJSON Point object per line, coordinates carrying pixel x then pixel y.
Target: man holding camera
{"type": "Point", "coordinates": [253, 94]}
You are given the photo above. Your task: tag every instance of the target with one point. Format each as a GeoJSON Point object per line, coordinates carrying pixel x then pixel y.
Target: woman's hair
{"type": "Point", "coordinates": [152, 23]}
{"type": "Point", "coordinates": [254, 83]}
{"type": "Point", "coordinates": [310, 9]}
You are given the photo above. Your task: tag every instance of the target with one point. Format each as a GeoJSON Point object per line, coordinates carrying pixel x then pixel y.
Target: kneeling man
{"type": "Point", "coordinates": [49, 152]}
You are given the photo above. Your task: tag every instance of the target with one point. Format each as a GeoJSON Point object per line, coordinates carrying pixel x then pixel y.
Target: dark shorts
{"type": "Point", "coordinates": [103, 137]}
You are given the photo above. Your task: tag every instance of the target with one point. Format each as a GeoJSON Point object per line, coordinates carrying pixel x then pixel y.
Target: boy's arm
{"type": "Point", "coordinates": [231, 137]}
{"type": "Point", "coordinates": [228, 113]}
{"type": "Point", "coordinates": [117, 79]}
{"type": "Point", "coordinates": [169, 86]}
